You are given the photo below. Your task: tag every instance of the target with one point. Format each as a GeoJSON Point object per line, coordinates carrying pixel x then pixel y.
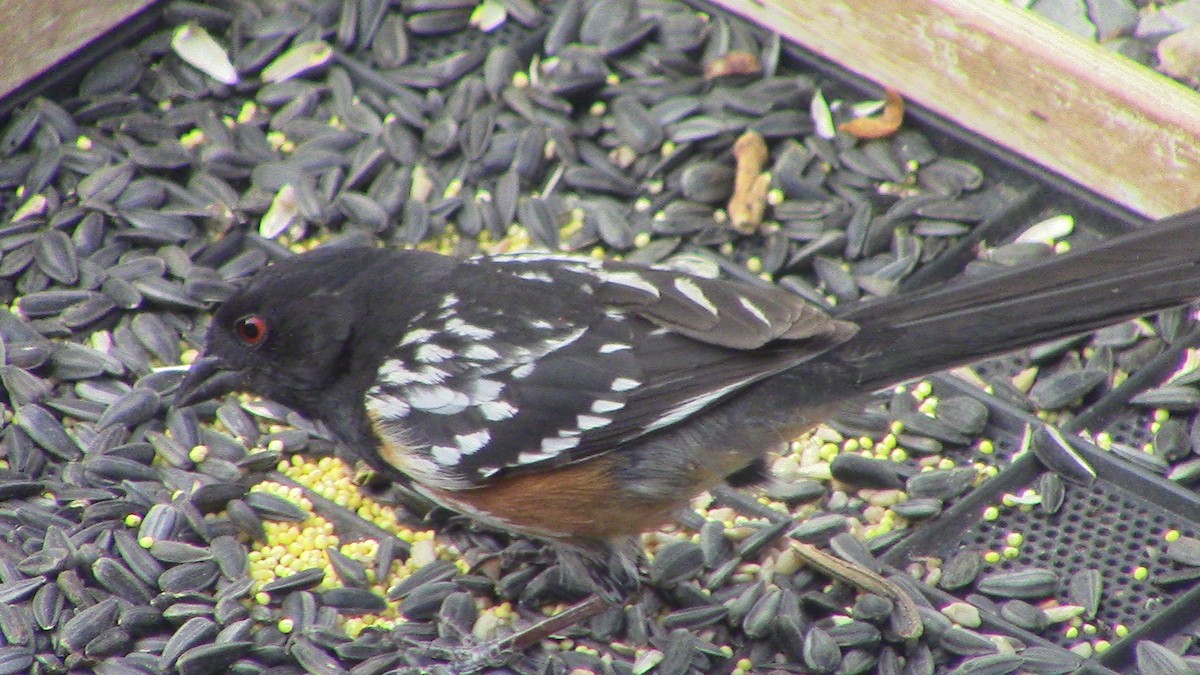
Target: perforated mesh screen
{"type": "Point", "coordinates": [1131, 428]}
{"type": "Point", "coordinates": [1101, 527]}
{"type": "Point", "coordinates": [1002, 367]}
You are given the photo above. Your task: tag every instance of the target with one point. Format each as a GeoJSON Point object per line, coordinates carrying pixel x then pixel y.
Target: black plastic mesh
{"type": "Point", "coordinates": [1003, 367]}
{"type": "Point", "coordinates": [1132, 428]}
{"type": "Point", "coordinates": [1102, 527]}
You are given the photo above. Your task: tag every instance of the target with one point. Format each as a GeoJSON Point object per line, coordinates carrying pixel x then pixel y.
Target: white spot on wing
{"type": "Point", "coordinates": [496, 411]}
{"type": "Point", "coordinates": [384, 406]}
{"type": "Point", "coordinates": [522, 372]}
{"type": "Point", "coordinates": [463, 329]}
{"type": "Point", "coordinates": [754, 309]}
{"type": "Point", "coordinates": [469, 443]}
{"type": "Point", "coordinates": [431, 375]}
{"type": "Point", "coordinates": [480, 352]}
{"type": "Point", "coordinates": [535, 275]}
{"type": "Point", "coordinates": [444, 455]}
{"type": "Point", "coordinates": [393, 372]}
{"type": "Point", "coordinates": [606, 406]}
{"type": "Point", "coordinates": [416, 335]}
{"type": "Point", "coordinates": [449, 301]}
{"type": "Point", "coordinates": [433, 353]}
{"type": "Point", "coordinates": [694, 293]}
{"type": "Point", "coordinates": [486, 390]}
{"type": "Point", "coordinates": [587, 422]}
{"type": "Point", "coordinates": [439, 400]}
{"type": "Point", "coordinates": [554, 344]}
{"type": "Point", "coordinates": [426, 471]}
{"type": "Point", "coordinates": [528, 457]}
{"type": "Point", "coordinates": [629, 279]}
{"type": "Point", "coordinates": [559, 444]}
{"type": "Point", "coordinates": [691, 406]}
{"type": "Point", "coordinates": [624, 384]}
{"type": "Point", "coordinates": [611, 347]}
{"type": "Point", "coordinates": [573, 262]}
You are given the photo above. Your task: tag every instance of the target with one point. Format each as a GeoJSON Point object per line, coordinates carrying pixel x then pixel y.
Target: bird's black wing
{"type": "Point", "coordinates": [533, 361]}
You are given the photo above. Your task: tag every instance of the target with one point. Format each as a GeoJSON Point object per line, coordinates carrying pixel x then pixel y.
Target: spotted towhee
{"type": "Point", "coordinates": [584, 401]}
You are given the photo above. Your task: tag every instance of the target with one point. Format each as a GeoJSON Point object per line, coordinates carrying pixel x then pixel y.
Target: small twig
{"type": "Point", "coordinates": [733, 63]}
{"type": "Point", "coordinates": [749, 201]}
{"type": "Point", "coordinates": [906, 620]}
{"type": "Point", "coordinates": [884, 124]}
{"type": "Point", "coordinates": [573, 615]}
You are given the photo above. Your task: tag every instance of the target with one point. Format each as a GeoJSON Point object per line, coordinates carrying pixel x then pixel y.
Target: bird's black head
{"type": "Point", "coordinates": [293, 333]}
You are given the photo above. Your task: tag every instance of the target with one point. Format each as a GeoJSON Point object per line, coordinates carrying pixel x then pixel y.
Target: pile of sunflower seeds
{"type": "Point", "coordinates": [238, 133]}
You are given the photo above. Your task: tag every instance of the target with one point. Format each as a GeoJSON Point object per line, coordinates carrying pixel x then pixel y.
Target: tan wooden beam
{"type": "Point", "coordinates": [37, 34]}
{"type": "Point", "coordinates": [1109, 124]}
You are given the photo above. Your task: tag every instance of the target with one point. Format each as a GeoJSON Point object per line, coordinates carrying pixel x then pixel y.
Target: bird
{"type": "Point", "coordinates": [584, 401]}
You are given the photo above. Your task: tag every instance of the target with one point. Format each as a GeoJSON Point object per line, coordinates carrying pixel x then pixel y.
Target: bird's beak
{"type": "Point", "coordinates": [207, 379]}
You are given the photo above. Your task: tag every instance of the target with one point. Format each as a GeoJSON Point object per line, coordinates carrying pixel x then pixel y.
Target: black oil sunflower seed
{"type": "Point", "coordinates": [88, 623]}
{"type": "Point", "coordinates": [1063, 388]}
{"type": "Point", "coordinates": [1155, 658]}
{"type": "Point", "coordinates": [302, 580]}
{"type": "Point", "coordinates": [179, 552]}
{"type": "Point", "coordinates": [192, 633]}
{"type": "Point", "coordinates": [676, 562]}
{"type": "Point", "coordinates": [942, 484]}
{"type": "Point", "coordinates": [274, 507]}
{"type": "Point", "coordinates": [1053, 492]}
{"type": "Point", "coordinates": [118, 579]}
{"type": "Point", "coordinates": [18, 590]}
{"type": "Point", "coordinates": [353, 600]}
{"type": "Point", "coordinates": [211, 658]}
{"type": "Point", "coordinates": [46, 431]}
{"type": "Point", "coordinates": [1032, 583]}
{"type": "Point", "coordinates": [197, 576]}
{"type": "Point", "coordinates": [425, 601]}
{"type": "Point", "coordinates": [1185, 551]}
{"type": "Point", "coordinates": [861, 471]}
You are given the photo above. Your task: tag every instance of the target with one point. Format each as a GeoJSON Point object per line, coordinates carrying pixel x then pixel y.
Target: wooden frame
{"type": "Point", "coordinates": [1105, 122]}
{"type": "Point", "coordinates": [36, 35]}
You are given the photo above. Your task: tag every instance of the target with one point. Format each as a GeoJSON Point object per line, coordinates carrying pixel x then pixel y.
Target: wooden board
{"type": "Point", "coordinates": [37, 34]}
{"type": "Point", "coordinates": [1111, 125]}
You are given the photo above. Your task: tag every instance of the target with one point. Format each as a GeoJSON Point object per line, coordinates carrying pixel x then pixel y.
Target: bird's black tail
{"type": "Point", "coordinates": [908, 336]}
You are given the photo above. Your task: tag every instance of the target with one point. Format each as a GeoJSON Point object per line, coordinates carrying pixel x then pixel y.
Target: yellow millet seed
{"type": "Point", "coordinates": [198, 454]}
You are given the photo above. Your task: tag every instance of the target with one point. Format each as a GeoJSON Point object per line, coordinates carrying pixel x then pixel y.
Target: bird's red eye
{"type": "Point", "coordinates": [251, 330]}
